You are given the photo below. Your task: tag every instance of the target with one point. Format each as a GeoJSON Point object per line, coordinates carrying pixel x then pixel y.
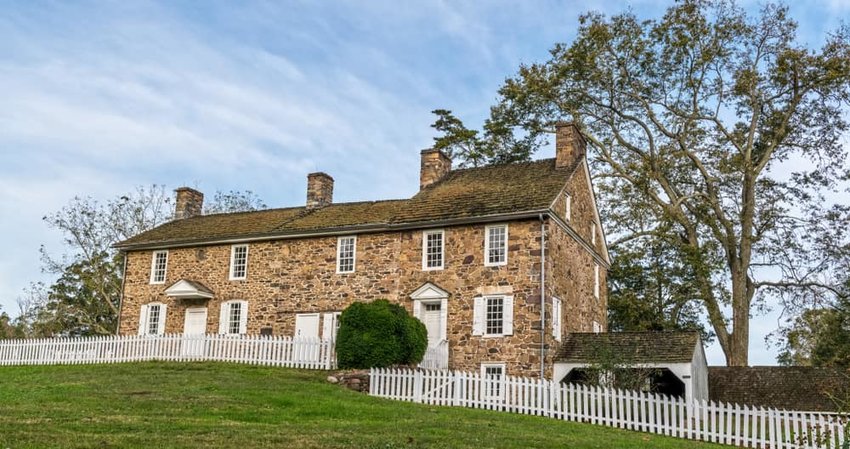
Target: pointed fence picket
{"type": "Point", "coordinates": [308, 353]}
{"type": "Point", "coordinates": [732, 424]}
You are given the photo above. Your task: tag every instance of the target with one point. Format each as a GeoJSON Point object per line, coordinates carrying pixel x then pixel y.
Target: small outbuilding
{"type": "Point", "coordinates": [672, 363]}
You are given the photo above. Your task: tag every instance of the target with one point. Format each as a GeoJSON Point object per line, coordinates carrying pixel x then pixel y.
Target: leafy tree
{"type": "Point", "coordinates": [648, 290]}
{"type": "Point", "coordinates": [694, 121]}
{"type": "Point", "coordinates": [379, 334]}
{"type": "Point", "coordinates": [8, 329]}
{"type": "Point", "coordinates": [84, 299]}
{"type": "Point", "coordinates": [819, 337]}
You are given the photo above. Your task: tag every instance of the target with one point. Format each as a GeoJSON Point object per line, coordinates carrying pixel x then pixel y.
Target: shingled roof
{"type": "Point", "coordinates": [496, 190]}
{"type": "Point", "coordinates": [802, 388]}
{"type": "Point", "coordinates": [629, 347]}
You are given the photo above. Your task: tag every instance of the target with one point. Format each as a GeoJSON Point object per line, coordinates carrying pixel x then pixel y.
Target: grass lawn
{"type": "Point", "coordinates": [209, 405]}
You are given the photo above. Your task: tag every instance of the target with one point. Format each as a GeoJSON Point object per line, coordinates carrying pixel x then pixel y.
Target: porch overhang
{"type": "Point", "coordinates": [186, 289]}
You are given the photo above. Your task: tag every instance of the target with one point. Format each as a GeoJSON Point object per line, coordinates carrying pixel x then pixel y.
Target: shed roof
{"type": "Point", "coordinates": [629, 347]}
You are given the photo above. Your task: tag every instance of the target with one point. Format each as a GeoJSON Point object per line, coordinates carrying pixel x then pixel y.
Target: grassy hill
{"type": "Point", "coordinates": [208, 405]}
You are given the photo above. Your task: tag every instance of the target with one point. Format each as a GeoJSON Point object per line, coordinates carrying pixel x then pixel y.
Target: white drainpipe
{"type": "Point", "coordinates": [542, 298]}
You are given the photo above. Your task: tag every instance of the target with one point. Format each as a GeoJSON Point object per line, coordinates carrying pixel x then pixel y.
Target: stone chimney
{"type": "Point", "coordinates": [433, 167]}
{"type": "Point", "coordinates": [189, 203]}
{"type": "Point", "coordinates": [320, 190]}
{"type": "Point", "coordinates": [569, 144]}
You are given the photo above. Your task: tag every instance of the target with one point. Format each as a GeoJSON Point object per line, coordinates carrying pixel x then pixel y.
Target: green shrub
{"type": "Point", "coordinates": [379, 334]}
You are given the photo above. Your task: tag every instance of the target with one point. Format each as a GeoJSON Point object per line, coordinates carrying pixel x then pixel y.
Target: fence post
{"type": "Point", "coordinates": [417, 386]}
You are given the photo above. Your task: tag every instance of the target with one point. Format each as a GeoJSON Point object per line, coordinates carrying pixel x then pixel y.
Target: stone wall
{"type": "Point", "coordinates": [288, 277]}
{"type": "Point", "coordinates": [569, 266]}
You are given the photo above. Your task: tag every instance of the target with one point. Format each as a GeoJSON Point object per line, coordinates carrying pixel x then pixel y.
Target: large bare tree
{"type": "Point", "coordinates": [712, 131]}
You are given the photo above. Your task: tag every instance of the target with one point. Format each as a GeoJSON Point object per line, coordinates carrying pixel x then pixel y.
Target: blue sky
{"type": "Point", "coordinates": [99, 97]}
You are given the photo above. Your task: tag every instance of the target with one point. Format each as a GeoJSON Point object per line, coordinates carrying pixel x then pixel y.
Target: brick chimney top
{"type": "Point", "coordinates": [320, 190]}
{"type": "Point", "coordinates": [434, 165]}
{"type": "Point", "coordinates": [569, 144]}
{"type": "Point", "coordinates": [188, 203]}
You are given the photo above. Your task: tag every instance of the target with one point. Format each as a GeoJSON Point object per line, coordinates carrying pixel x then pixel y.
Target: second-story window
{"type": "Point", "coordinates": [159, 264]}
{"type": "Point", "coordinates": [346, 248]}
{"type": "Point", "coordinates": [433, 246]}
{"type": "Point", "coordinates": [238, 262]}
{"type": "Point", "coordinates": [593, 234]}
{"type": "Point", "coordinates": [568, 205]}
{"type": "Point", "coordinates": [496, 245]}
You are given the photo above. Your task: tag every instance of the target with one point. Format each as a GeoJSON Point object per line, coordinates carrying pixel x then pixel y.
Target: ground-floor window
{"type": "Point", "coordinates": [494, 377]}
{"type": "Point", "coordinates": [234, 318]}
{"type": "Point", "coordinates": [152, 319]}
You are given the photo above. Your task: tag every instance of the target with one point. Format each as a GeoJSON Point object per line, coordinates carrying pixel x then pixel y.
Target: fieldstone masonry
{"type": "Point", "coordinates": [320, 190]}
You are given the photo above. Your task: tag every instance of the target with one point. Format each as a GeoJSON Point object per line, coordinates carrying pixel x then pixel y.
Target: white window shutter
{"type": "Point", "coordinates": [243, 318]}
{"type": "Point", "coordinates": [222, 317]}
{"type": "Point", "coordinates": [444, 313]}
{"type": "Point", "coordinates": [556, 318]}
{"type": "Point", "coordinates": [508, 316]}
{"type": "Point", "coordinates": [163, 309]}
{"type": "Point", "coordinates": [478, 316]}
{"type": "Point", "coordinates": [327, 326]}
{"type": "Point", "coordinates": [143, 320]}
{"type": "Point", "coordinates": [417, 310]}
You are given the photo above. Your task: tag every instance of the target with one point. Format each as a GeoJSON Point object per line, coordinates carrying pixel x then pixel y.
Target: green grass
{"type": "Point", "coordinates": [208, 405]}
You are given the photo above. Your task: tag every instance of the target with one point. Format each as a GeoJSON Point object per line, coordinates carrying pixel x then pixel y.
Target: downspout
{"type": "Point", "coordinates": [121, 298]}
{"type": "Point", "coordinates": [542, 298]}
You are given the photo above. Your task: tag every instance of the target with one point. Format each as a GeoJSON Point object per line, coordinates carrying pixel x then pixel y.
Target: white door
{"type": "Point", "coordinates": [307, 325]}
{"type": "Point", "coordinates": [195, 324]}
{"type": "Point", "coordinates": [433, 322]}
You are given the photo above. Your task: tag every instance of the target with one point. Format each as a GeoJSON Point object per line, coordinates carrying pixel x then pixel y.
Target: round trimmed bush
{"type": "Point", "coordinates": [379, 334]}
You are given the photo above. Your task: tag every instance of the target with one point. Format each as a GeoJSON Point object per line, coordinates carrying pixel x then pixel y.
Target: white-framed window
{"type": "Point", "coordinates": [593, 234]}
{"type": "Point", "coordinates": [159, 265]}
{"type": "Point", "coordinates": [233, 319]}
{"type": "Point", "coordinates": [433, 249]}
{"type": "Point", "coordinates": [597, 328]}
{"type": "Point", "coordinates": [493, 316]}
{"type": "Point", "coordinates": [152, 319]}
{"type": "Point", "coordinates": [493, 375]}
{"type": "Point", "coordinates": [346, 253]}
{"type": "Point", "coordinates": [238, 262]}
{"type": "Point", "coordinates": [556, 318]}
{"type": "Point", "coordinates": [596, 281]}
{"type": "Point", "coordinates": [568, 206]}
{"type": "Point", "coordinates": [495, 245]}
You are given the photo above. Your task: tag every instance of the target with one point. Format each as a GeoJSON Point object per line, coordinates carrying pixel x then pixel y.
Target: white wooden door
{"type": "Point", "coordinates": [195, 324]}
{"type": "Point", "coordinates": [307, 325]}
{"type": "Point", "coordinates": [432, 318]}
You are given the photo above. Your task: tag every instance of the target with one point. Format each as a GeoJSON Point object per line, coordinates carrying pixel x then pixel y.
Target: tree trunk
{"type": "Point", "coordinates": [738, 349]}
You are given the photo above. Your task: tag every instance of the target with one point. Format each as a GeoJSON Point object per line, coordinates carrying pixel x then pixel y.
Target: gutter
{"type": "Point", "coordinates": [542, 297]}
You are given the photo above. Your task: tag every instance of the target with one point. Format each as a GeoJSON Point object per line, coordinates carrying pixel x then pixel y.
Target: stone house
{"type": "Point", "coordinates": [469, 255]}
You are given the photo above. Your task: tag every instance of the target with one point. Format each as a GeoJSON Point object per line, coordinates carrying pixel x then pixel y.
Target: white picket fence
{"type": "Point", "coordinates": [645, 412]}
{"type": "Point", "coordinates": [309, 353]}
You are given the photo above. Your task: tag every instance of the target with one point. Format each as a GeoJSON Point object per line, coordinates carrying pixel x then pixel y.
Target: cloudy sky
{"type": "Point", "coordinates": [96, 98]}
